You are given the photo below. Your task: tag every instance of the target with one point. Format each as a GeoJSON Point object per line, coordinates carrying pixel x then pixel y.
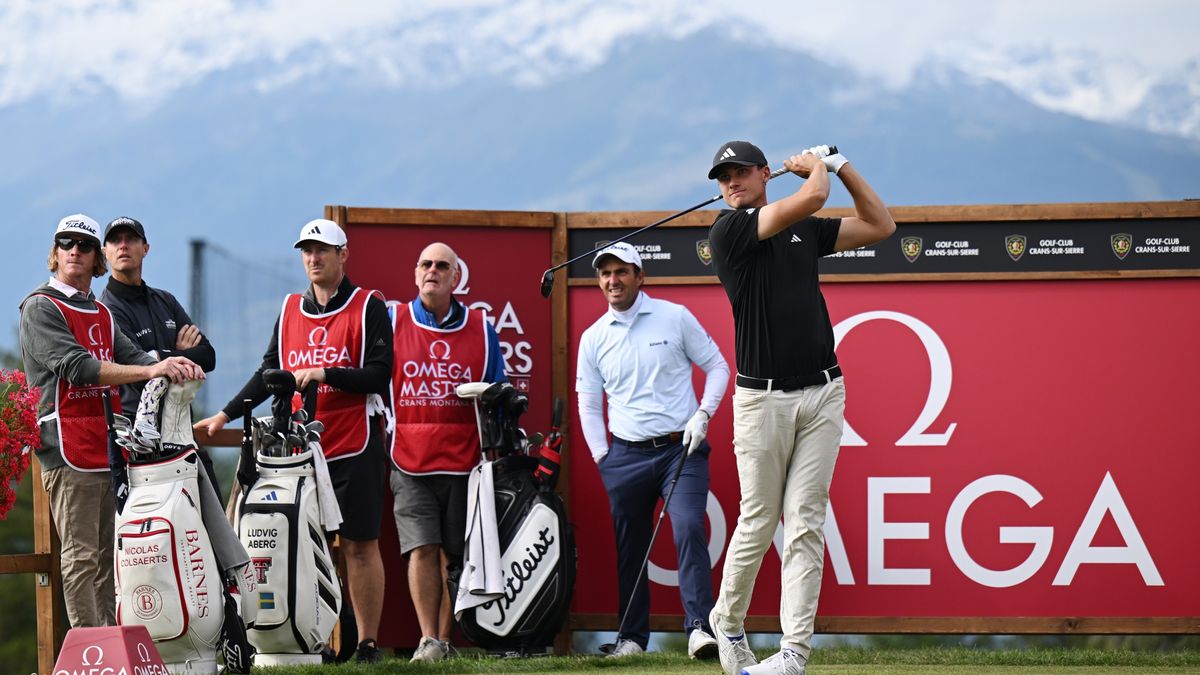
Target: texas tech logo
{"type": "Point", "coordinates": [704, 251]}
{"type": "Point", "coordinates": [911, 248]}
{"type": "Point", "coordinates": [261, 567]}
{"type": "Point", "coordinates": [1015, 245]}
{"type": "Point", "coordinates": [1121, 245]}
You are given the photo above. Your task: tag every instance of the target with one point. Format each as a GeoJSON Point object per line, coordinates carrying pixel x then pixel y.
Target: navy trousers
{"type": "Point", "coordinates": [636, 478]}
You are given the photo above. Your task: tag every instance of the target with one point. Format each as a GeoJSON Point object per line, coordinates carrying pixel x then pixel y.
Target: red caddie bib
{"type": "Point", "coordinates": [332, 340]}
{"type": "Point", "coordinates": [436, 431]}
{"type": "Point", "coordinates": [79, 410]}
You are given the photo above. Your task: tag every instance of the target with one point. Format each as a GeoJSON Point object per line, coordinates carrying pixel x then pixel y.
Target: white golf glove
{"type": "Point", "coordinates": [832, 162]}
{"type": "Point", "coordinates": [695, 431]}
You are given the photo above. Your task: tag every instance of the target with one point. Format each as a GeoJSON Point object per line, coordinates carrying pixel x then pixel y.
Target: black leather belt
{"type": "Point", "coordinates": [659, 442]}
{"type": "Point", "coordinates": [789, 383]}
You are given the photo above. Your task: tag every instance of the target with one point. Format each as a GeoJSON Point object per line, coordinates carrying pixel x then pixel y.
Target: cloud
{"type": "Point", "coordinates": [146, 49]}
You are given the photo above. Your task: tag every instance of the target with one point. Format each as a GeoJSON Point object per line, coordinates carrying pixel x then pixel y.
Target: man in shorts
{"type": "Point", "coordinates": [439, 343]}
{"type": "Point", "coordinates": [338, 335]}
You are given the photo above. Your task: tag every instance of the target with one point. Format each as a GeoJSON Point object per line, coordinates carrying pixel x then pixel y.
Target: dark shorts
{"type": "Point", "coordinates": [430, 509]}
{"type": "Point", "coordinates": [359, 482]}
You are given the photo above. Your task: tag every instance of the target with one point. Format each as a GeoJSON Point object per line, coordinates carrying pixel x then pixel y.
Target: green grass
{"type": "Point", "coordinates": [835, 660]}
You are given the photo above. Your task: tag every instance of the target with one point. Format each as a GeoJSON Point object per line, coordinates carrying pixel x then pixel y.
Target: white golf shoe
{"type": "Point", "coordinates": [626, 647]}
{"type": "Point", "coordinates": [733, 650]}
{"type": "Point", "coordinates": [784, 662]}
{"type": "Point", "coordinates": [430, 649]}
{"type": "Point", "coordinates": [701, 645]}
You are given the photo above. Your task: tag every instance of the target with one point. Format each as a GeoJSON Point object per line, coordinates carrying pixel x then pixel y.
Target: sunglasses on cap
{"type": "Point", "coordinates": [441, 265]}
{"type": "Point", "coordinates": [68, 243]}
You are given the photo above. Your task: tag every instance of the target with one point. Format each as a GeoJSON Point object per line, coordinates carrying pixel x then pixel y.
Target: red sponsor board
{"type": "Point", "coordinates": [384, 257]}
{"type": "Point", "coordinates": [1017, 448]}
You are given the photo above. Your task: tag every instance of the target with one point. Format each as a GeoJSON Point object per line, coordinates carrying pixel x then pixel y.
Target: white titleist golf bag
{"type": "Point", "coordinates": [519, 565]}
{"type": "Point", "coordinates": [287, 506]}
{"type": "Point", "coordinates": [177, 558]}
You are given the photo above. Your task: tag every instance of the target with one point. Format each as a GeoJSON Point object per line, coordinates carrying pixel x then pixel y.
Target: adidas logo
{"type": "Point", "coordinates": [271, 497]}
{"type": "Point", "coordinates": [316, 229]}
{"type": "Point", "coordinates": [795, 239]}
{"type": "Point", "coordinates": [728, 153]}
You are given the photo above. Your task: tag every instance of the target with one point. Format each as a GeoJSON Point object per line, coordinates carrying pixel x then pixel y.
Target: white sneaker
{"type": "Point", "coordinates": [784, 662]}
{"type": "Point", "coordinates": [626, 647]}
{"type": "Point", "coordinates": [430, 649]}
{"type": "Point", "coordinates": [733, 649]}
{"type": "Point", "coordinates": [701, 645]}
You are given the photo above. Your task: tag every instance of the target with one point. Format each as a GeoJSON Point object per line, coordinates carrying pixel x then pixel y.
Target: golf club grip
{"type": "Point", "coordinates": [780, 171]}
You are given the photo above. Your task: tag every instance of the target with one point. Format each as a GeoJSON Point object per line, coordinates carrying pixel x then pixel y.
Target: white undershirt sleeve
{"type": "Point", "coordinates": [591, 422]}
{"type": "Point", "coordinates": [716, 379]}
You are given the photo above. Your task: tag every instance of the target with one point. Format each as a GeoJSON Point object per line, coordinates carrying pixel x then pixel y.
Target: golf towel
{"type": "Point", "coordinates": [482, 580]}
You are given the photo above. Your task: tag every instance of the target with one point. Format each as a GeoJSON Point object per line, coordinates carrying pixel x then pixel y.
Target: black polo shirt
{"type": "Point", "coordinates": [781, 325]}
{"type": "Point", "coordinates": [151, 318]}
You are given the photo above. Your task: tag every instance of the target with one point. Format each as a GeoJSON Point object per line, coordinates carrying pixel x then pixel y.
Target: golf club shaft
{"type": "Point", "coordinates": [548, 275]}
{"type": "Point", "coordinates": [653, 536]}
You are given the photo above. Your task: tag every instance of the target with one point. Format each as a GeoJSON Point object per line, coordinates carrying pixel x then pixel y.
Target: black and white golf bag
{"type": "Point", "coordinates": [519, 568]}
{"type": "Point", "coordinates": [286, 508]}
{"type": "Point", "coordinates": [177, 558]}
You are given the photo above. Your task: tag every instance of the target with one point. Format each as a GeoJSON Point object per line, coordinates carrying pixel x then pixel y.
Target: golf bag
{"type": "Point", "coordinates": [536, 543]}
{"type": "Point", "coordinates": [176, 556]}
{"type": "Point", "coordinates": [282, 518]}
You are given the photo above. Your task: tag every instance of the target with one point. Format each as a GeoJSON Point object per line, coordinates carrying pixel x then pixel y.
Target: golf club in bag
{"type": "Point", "coordinates": [177, 559]}
{"type": "Point", "coordinates": [548, 275]}
{"type": "Point", "coordinates": [287, 506]}
{"type": "Point", "coordinates": [515, 589]}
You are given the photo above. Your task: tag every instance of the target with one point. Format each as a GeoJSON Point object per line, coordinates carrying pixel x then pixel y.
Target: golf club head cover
{"type": "Point", "coordinates": [234, 644]}
{"type": "Point", "coordinates": [471, 390]}
{"type": "Point", "coordinates": [176, 414]}
{"type": "Point", "coordinates": [146, 424]}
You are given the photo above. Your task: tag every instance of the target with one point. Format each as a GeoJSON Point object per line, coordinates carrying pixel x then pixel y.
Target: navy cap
{"type": "Point", "coordinates": [123, 221]}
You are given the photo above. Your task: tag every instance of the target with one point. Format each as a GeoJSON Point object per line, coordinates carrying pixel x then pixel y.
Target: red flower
{"type": "Point", "coordinates": [19, 433]}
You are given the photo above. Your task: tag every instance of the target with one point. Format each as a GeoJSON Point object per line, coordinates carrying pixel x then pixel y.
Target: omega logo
{"type": "Point", "coordinates": [439, 350]}
{"type": "Point", "coordinates": [940, 375]}
{"type": "Point", "coordinates": [93, 334]}
{"type": "Point", "coordinates": [318, 336]}
{"type": "Point", "coordinates": [99, 655]}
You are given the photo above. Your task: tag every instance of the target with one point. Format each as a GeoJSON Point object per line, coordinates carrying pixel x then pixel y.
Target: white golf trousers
{"type": "Point", "coordinates": [786, 444]}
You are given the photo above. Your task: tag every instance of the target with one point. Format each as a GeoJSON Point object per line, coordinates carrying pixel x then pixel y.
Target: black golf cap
{"type": "Point", "coordinates": [118, 223]}
{"type": "Point", "coordinates": [737, 152]}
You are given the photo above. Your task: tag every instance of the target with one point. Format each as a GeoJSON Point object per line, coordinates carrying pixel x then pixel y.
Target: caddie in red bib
{"type": "Point", "coordinates": [331, 340]}
{"type": "Point", "coordinates": [338, 336]}
{"type": "Point", "coordinates": [439, 344]}
{"type": "Point", "coordinates": [73, 352]}
{"type": "Point", "coordinates": [436, 431]}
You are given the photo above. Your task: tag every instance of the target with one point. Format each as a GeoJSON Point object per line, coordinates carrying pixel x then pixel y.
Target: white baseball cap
{"type": "Point", "coordinates": [324, 231]}
{"type": "Point", "coordinates": [621, 251]}
{"type": "Point", "coordinates": [79, 224]}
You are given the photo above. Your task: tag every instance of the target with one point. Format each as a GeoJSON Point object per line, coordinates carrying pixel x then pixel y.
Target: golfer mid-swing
{"type": "Point", "coordinates": [789, 401]}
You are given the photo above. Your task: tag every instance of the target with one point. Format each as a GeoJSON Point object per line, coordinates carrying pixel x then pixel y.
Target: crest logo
{"type": "Point", "coordinates": [704, 251]}
{"type": "Point", "coordinates": [1015, 245]}
{"type": "Point", "coordinates": [147, 602]}
{"type": "Point", "coordinates": [1122, 244]}
{"type": "Point", "coordinates": [911, 248]}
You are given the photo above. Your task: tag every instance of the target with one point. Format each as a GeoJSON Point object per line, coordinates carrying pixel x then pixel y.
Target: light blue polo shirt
{"type": "Point", "coordinates": [645, 367]}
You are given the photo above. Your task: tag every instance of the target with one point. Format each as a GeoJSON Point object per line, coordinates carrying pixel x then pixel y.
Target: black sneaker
{"type": "Point", "coordinates": [368, 652]}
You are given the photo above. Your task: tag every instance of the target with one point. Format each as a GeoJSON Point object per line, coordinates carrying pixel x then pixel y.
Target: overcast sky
{"type": "Point", "coordinates": [146, 49]}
